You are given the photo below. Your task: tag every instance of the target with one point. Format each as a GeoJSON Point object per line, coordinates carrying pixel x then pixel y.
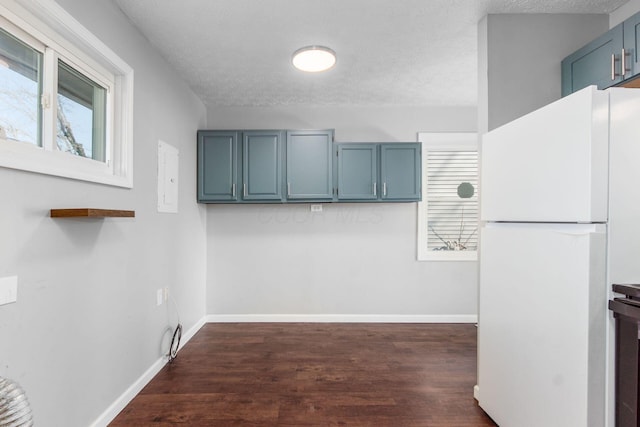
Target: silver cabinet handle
{"type": "Point", "coordinates": [623, 58]}
{"type": "Point", "coordinates": [384, 189]}
{"type": "Point", "coordinates": [375, 188]}
{"type": "Point", "coordinates": [233, 190]}
{"type": "Point", "coordinates": [613, 67]}
{"type": "Point", "coordinates": [288, 189]}
{"type": "Point", "coordinates": [244, 190]}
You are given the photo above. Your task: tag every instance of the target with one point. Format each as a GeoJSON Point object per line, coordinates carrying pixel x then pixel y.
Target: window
{"type": "Point", "coordinates": [65, 98]}
{"type": "Point", "coordinates": [21, 77]}
{"type": "Point", "coordinates": [448, 213]}
{"type": "Point", "coordinates": [81, 116]}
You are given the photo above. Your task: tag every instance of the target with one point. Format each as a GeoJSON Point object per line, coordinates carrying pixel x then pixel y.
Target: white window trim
{"type": "Point", "coordinates": [440, 141]}
{"type": "Point", "coordinates": [47, 22]}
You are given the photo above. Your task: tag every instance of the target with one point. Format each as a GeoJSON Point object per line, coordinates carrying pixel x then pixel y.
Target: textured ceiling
{"type": "Point", "coordinates": [390, 52]}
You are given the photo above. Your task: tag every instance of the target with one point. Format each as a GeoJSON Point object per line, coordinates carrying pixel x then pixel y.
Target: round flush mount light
{"type": "Point", "coordinates": [313, 59]}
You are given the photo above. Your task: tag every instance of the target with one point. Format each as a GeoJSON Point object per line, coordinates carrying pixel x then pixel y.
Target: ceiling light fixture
{"type": "Point", "coordinates": [313, 59]}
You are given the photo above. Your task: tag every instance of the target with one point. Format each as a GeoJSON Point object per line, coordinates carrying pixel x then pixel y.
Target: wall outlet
{"type": "Point", "coordinates": [316, 208]}
{"type": "Point", "coordinates": [8, 290]}
{"type": "Point", "coordinates": [159, 296]}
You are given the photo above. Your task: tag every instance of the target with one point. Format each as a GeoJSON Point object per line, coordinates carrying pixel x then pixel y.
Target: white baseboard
{"type": "Point", "coordinates": [121, 402]}
{"type": "Point", "coordinates": [342, 318]}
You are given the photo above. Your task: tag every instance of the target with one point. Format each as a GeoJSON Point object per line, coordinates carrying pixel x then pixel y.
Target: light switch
{"type": "Point", "coordinates": [8, 290]}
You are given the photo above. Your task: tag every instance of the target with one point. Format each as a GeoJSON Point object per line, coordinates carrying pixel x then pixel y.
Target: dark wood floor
{"type": "Point", "coordinates": [315, 374]}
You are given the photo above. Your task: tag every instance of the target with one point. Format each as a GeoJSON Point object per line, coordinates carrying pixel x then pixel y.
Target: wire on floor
{"type": "Point", "coordinates": [177, 334]}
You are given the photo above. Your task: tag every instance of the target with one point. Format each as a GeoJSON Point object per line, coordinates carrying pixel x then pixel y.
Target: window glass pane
{"type": "Point", "coordinates": [81, 114]}
{"type": "Point", "coordinates": [452, 200]}
{"type": "Point", "coordinates": [20, 90]}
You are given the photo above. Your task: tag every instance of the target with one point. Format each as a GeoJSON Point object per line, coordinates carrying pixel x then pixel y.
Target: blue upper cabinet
{"type": "Point", "coordinates": [262, 165]}
{"type": "Point", "coordinates": [598, 63]}
{"type": "Point", "coordinates": [379, 172]}
{"type": "Point", "coordinates": [217, 166]}
{"type": "Point", "coordinates": [611, 59]}
{"type": "Point", "coordinates": [309, 174]}
{"type": "Point", "coordinates": [401, 172]}
{"type": "Point", "coordinates": [631, 28]}
{"type": "Point", "coordinates": [276, 166]}
{"type": "Point", "coordinates": [357, 171]}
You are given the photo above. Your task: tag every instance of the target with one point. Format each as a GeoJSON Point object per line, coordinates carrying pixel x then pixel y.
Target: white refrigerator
{"type": "Point", "coordinates": [560, 222]}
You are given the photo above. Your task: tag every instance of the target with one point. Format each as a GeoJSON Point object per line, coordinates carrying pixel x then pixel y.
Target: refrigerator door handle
{"type": "Point", "coordinates": [589, 230]}
{"type": "Point", "coordinates": [577, 233]}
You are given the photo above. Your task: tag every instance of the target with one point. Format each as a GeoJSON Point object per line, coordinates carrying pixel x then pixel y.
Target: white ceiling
{"type": "Point", "coordinates": [390, 52]}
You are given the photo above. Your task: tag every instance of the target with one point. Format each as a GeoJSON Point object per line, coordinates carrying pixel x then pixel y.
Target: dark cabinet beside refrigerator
{"type": "Point", "coordinates": [627, 314]}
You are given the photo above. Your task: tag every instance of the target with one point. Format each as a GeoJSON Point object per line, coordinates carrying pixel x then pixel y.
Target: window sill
{"type": "Point", "coordinates": [449, 256]}
{"type": "Point", "coordinates": [28, 157]}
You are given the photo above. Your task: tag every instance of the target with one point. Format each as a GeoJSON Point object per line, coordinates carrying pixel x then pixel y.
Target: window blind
{"type": "Point", "coordinates": [452, 220]}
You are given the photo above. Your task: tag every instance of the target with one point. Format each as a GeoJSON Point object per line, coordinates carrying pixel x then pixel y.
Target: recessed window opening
{"type": "Point", "coordinates": [448, 212]}
{"type": "Point", "coordinates": [66, 100]}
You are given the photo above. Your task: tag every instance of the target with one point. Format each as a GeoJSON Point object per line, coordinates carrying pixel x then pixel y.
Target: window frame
{"type": "Point", "coordinates": [47, 27]}
{"type": "Point", "coordinates": [441, 141]}
{"type": "Point", "coordinates": [97, 78]}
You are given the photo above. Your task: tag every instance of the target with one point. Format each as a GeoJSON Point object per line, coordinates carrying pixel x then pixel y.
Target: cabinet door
{"type": "Point", "coordinates": [631, 43]}
{"type": "Point", "coordinates": [400, 172]}
{"type": "Point", "coordinates": [357, 171]}
{"type": "Point", "coordinates": [598, 63]}
{"type": "Point", "coordinates": [217, 166]}
{"type": "Point", "coordinates": [309, 165]}
{"type": "Point", "coordinates": [262, 165]}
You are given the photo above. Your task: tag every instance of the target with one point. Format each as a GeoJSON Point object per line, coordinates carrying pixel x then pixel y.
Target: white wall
{"type": "Point", "coordinates": [519, 60]}
{"type": "Point", "coordinates": [86, 325]}
{"type": "Point", "coordinates": [623, 12]}
{"type": "Point", "coordinates": [351, 259]}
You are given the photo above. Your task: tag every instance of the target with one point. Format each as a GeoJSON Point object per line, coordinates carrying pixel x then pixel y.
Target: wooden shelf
{"type": "Point", "coordinates": [90, 213]}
